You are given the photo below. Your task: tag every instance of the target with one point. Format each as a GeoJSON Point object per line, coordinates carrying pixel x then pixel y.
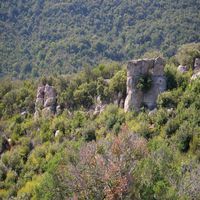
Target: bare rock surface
{"type": "Point", "coordinates": [197, 64]}
{"type": "Point", "coordinates": [196, 71]}
{"type": "Point", "coordinates": [46, 101]}
{"type": "Point", "coordinates": [182, 68]}
{"type": "Point", "coordinates": [136, 69]}
{"type": "Point", "coordinates": [195, 75]}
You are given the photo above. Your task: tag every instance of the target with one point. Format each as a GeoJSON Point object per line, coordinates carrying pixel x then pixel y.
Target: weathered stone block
{"type": "Point", "coordinates": [136, 69]}
{"type": "Point", "coordinates": [197, 64]}
{"type": "Point", "coordinates": [50, 102]}
{"type": "Point", "coordinates": [40, 92]}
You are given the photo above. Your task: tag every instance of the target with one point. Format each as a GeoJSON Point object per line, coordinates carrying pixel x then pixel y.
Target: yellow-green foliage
{"type": "Point", "coordinates": [3, 193]}
{"type": "Point", "coordinates": [29, 187]}
{"type": "Point", "coordinates": [147, 155]}
{"type": "Point", "coordinates": [187, 53]}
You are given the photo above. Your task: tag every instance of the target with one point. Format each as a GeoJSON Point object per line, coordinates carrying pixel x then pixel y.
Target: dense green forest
{"type": "Point", "coordinates": [54, 36]}
{"type": "Point", "coordinates": [113, 155]}
{"type": "Point", "coordinates": [64, 133]}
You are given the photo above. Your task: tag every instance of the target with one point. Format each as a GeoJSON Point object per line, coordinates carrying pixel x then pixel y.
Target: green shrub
{"type": "Point", "coordinates": [111, 118]}
{"type": "Point", "coordinates": [11, 177]}
{"type": "Point", "coordinates": [195, 143]}
{"type": "Point", "coordinates": [161, 117]}
{"type": "Point", "coordinates": [84, 94]}
{"type": "Point", "coordinates": [184, 142]}
{"type": "Point", "coordinates": [118, 83]}
{"type": "Point", "coordinates": [187, 53]}
{"type": "Point", "coordinates": [89, 131]}
{"type": "Point", "coordinates": [171, 127]}
{"type": "Point", "coordinates": [167, 100]}
{"type": "Point", "coordinates": [170, 73]}
{"type": "Point", "coordinates": [144, 83]}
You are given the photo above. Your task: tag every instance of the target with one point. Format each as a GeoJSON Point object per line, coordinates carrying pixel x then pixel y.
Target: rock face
{"type": "Point", "coordinates": [195, 76]}
{"type": "Point", "coordinates": [136, 97]}
{"type": "Point", "coordinates": [46, 101]}
{"type": "Point", "coordinates": [182, 68]}
{"type": "Point", "coordinates": [196, 71]}
{"type": "Point", "coordinates": [197, 64]}
{"type": "Point", "coordinates": [99, 107]}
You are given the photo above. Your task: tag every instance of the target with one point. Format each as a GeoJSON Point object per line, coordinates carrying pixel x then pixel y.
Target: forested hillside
{"type": "Point", "coordinates": [60, 36]}
{"type": "Point", "coordinates": [78, 153]}
{"type": "Point", "coordinates": [80, 122]}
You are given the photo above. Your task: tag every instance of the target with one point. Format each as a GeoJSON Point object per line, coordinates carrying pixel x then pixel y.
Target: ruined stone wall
{"type": "Point", "coordinates": [137, 69]}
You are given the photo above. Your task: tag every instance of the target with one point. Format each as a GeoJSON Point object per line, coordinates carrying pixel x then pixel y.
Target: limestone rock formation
{"type": "Point", "coordinates": [196, 73]}
{"type": "Point", "coordinates": [156, 81]}
{"type": "Point", "coordinates": [46, 101]}
{"type": "Point", "coordinates": [197, 64]}
{"type": "Point", "coordinates": [182, 68]}
{"type": "Point", "coordinates": [99, 107]}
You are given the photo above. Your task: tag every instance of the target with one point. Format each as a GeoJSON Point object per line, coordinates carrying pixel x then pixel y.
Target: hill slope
{"type": "Point", "coordinates": [59, 36]}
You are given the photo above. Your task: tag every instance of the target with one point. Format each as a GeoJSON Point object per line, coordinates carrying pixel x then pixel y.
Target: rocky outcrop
{"type": "Point", "coordinates": [99, 107]}
{"type": "Point", "coordinates": [46, 101]}
{"type": "Point", "coordinates": [195, 75]}
{"type": "Point", "coordinates": [196, 70]}
{"type": "Point", "coordinates": [119, 100]}
{"type": "Point", "coordinates": [197, 64]}
{"type": "Point", "coordinates": [155, 83]}
{"type": "Point", "coordinates": [183, 69]}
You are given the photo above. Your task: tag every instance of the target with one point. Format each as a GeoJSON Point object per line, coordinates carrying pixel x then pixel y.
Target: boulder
{"type": "Point", "coordinates": [57, 133]}
{"type": "Point", "coordinates": [182, 69]}
{"type": "Point", "coordinates": [58, 110]}
{"type": "Point", "coordinates": [195, 76]}
{"type": "Point", "coordinates": [46, 100]}
{"type": "Point", "coordinates": [152, 112]}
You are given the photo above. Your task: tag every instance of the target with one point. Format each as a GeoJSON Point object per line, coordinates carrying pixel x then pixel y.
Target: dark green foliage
{"type": "Point", "coordinates": [171, 127]}
{"type": "Point", "coordinates": [111, 155]}
{"type": "Point", "coordinates": [2, 172]}
{"type": "Point", "coordinates": [184, 142]}
{"type": "Point", "coordinates": [176, 79]}
{"type": "Point", "coordinates": [168, 99]}
{"type": "Point", "coordinates": [89, 131]}
{"type": "Point", "coordinates": [170, 73]}
{"type": "Point", "coordinates": [118, 83]}
{"type": "Point", "coordinates": [111, 118]}
{"type": "Point", "coordinates": [144, 83]}
{"type": "Point", "coordinates": [161, 117]}
{"type": "Point", "coordinates": [57, 36]}
{"type": "Point", "coordinates": [187, 53]}
{"type": "Point", "coordinates": [85, 93]}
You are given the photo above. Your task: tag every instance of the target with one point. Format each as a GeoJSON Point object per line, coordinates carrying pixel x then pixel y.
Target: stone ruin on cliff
{"type": "Point", "coordinates": [136, 97]}
{"type": "Point", "coordinates": [46, 101]}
